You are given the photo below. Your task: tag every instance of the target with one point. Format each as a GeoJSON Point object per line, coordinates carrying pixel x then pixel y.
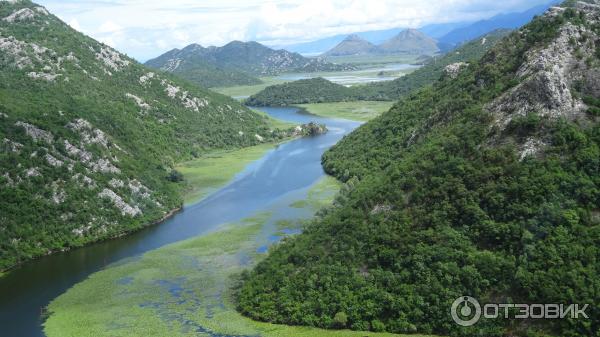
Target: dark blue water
{"type": "Point", "coordinates": [290, 167]}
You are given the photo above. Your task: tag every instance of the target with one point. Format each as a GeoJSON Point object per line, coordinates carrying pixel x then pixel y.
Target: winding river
{"type": "Point", "coordinates": [290, 167]}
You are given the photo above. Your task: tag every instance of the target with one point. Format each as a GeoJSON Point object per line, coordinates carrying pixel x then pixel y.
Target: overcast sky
{"type": "Point", "coordinates": [146, 28]}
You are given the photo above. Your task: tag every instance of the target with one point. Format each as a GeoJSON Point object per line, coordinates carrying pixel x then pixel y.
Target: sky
{"type": "Point", "coordinates": [144, 29]}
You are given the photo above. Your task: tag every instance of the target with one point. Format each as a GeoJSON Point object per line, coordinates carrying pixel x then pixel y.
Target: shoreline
{"type": "Point", "coordinates": [168, 215]}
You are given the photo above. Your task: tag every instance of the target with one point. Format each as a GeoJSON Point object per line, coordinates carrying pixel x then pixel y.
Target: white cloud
{"type": "Point", "coordinates": [109, 27]}
{"type": "Point", "coordinates": [146, 28]}
{"type": "Point", "coordinates": [75, 24]}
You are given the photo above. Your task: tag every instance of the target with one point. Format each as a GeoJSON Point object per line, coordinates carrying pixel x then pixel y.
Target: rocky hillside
{"type": "Point", "coordinates": [88, 136]}
{"type": "Point", "coordinates": [352, 45]}
{"type": "Point", "coordinates": [249, 58]}
{"type": "Point", "coordinates": [486, 184]}
{"type": "Point", "coordinates": [191, 64]}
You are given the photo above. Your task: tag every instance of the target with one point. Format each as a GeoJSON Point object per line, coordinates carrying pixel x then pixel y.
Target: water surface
{"type": "Point", "coordinates": [290, 167]}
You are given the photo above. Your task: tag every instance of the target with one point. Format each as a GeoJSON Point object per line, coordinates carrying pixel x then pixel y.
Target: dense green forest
{"type": "Point", "coordinates": [88, 137]}
{"type": "Point", "coordinates": [312, 90]}
{"type": "Point", "coordinates": [323, 91]}
{"type": "Point", "coordinates": [486, 185]}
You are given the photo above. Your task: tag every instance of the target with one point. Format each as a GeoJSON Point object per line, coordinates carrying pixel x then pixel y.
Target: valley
{"type": "Point", "coordinates": [244, 190]}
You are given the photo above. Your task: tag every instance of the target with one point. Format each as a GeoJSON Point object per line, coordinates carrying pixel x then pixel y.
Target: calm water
{"type": "Point", "coordinates": [293, 166]}
{"type": "Point", "coordinates": [354, 77]}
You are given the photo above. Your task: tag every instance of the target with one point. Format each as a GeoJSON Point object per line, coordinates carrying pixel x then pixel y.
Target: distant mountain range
{"type": "Point", "coordinates": [448, 35]}
{"type": "Point", "coordinates": [502, 21]}
{"type": "Point", "coordinates": [237, 63]}
{"type": "Point", "coordinates": [375, 37]}
{"type": "Point", "coordinates": [319, 90]}
{"type": "Point", "coordinates": [408, 41]}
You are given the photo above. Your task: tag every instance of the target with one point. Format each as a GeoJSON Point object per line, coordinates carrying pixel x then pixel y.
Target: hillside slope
{"type": "Point", "coordinates": [501, 21]}
{"type": "Point", "coordinates": [409, 41]}
{"type": "Point", "coordinates": [486, 184]}
{"type": "Point", "coordinates": [88, 136]}
{"type": "Point", "coordinates": [352, 45]}
{"type": "Point", "coordinates": [313, 90]}
{"type": "Point", "coordinates": [192, 66]}
{"type": "Point", "coordinates": [249, 58]}
{"type": "Point", "coordinates": [322, 91]}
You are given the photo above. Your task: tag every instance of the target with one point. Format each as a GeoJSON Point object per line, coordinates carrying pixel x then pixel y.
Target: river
{"type": "Point", "coordinates": [290, 167]}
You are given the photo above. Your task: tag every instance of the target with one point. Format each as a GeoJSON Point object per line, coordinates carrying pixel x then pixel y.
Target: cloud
{"type": "Point", "coordinates": [147, 28]}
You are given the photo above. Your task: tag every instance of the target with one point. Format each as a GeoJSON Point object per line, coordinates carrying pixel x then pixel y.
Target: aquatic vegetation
{"type": "Point", "coordinates": [362, 111]}
{"type": "Point", "coordinates": [183, 289]}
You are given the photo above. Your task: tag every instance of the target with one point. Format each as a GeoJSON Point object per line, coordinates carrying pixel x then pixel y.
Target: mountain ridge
{"type": "Point", "coordinates": [407, 41]}
{"type": "Point", "coordinates": [243, 60]}
{"type": "Point", "coordinates": [89, 137]}
{"type": "Point", "coordinates": [322, 91]}
{"type": "Point", "coordinates": [472, 186]}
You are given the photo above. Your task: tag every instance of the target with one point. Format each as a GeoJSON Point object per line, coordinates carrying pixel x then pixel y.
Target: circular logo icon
{"type": "Point", "coordinates": [466, 311]}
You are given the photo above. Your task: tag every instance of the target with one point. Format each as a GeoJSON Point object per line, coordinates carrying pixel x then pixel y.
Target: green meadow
{"type": "Point", "coordinates": [243, 91]}
{"type": "Point", "coordinates": [358, 111]}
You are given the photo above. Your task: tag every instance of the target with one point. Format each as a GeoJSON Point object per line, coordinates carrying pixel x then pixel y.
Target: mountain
{"type": "Point", "coordinates": [88, 137]}
{"type": "Point", "coordinates": [352, 45]}
{"type": "Point", "coordinates": [409, 41]}
{"type": "Point", "coordinates": [320, 46]}
{"type": "Point", "coordinates": [250, 58]}
{"type": "Point", "coordinates": [321, 90]}
{"type": "Point", "coordinates": [485, 184]}
{"type": "Point", "coordinates": [192, 66]}
{"type": "Point", "coordinates": [502, 21]}
{"type": "Point", "coordinates": [436, 67]}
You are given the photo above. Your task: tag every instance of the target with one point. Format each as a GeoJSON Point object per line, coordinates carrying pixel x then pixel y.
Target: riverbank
{"type": "Point", "coordinates": [184, 289]}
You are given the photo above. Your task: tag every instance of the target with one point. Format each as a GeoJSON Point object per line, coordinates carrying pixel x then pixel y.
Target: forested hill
{"type": "Point", "coordinates": [191, 64]}
{"type": "Point", "coordinates": [237, 63]}
{"type": "Point", "coordinates": [88, 136]}
{"type": "Point", "coordinates": [313, 90]}
{"type": "Point", "coordinates": [299, 92]}
{"type": "Point", "coordinates": [486, 184]}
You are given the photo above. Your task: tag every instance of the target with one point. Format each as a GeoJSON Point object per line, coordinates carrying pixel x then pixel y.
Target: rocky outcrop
{"type": "Point", "coordinates": [553, 79]}
{"type": "Point", "coordinates": [548, 76]}
{"type": "Point", "coordinates": [453, 70]}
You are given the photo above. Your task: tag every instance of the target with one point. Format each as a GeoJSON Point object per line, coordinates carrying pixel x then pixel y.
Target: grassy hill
{"type": "Point", "coordinates": [321, 91]}
{"type": "Point", "coordinates": [485, 184]}
{"type": "Point", "coordinates": [88, 137]}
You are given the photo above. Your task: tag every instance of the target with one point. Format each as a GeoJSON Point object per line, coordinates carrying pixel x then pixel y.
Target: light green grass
{"type": "Point", "coordinates": [358, 111]}
{"type": "Point", "coordinates": [321, 194]}
{"type": "Point", "coordinates": [374, 59]}
{"type": "Point", "coordinates": [179, 290]}
{"type": "Point", "coordinates": [244, 91]}
{"type": "Point", "coordinates": [212, 171]}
